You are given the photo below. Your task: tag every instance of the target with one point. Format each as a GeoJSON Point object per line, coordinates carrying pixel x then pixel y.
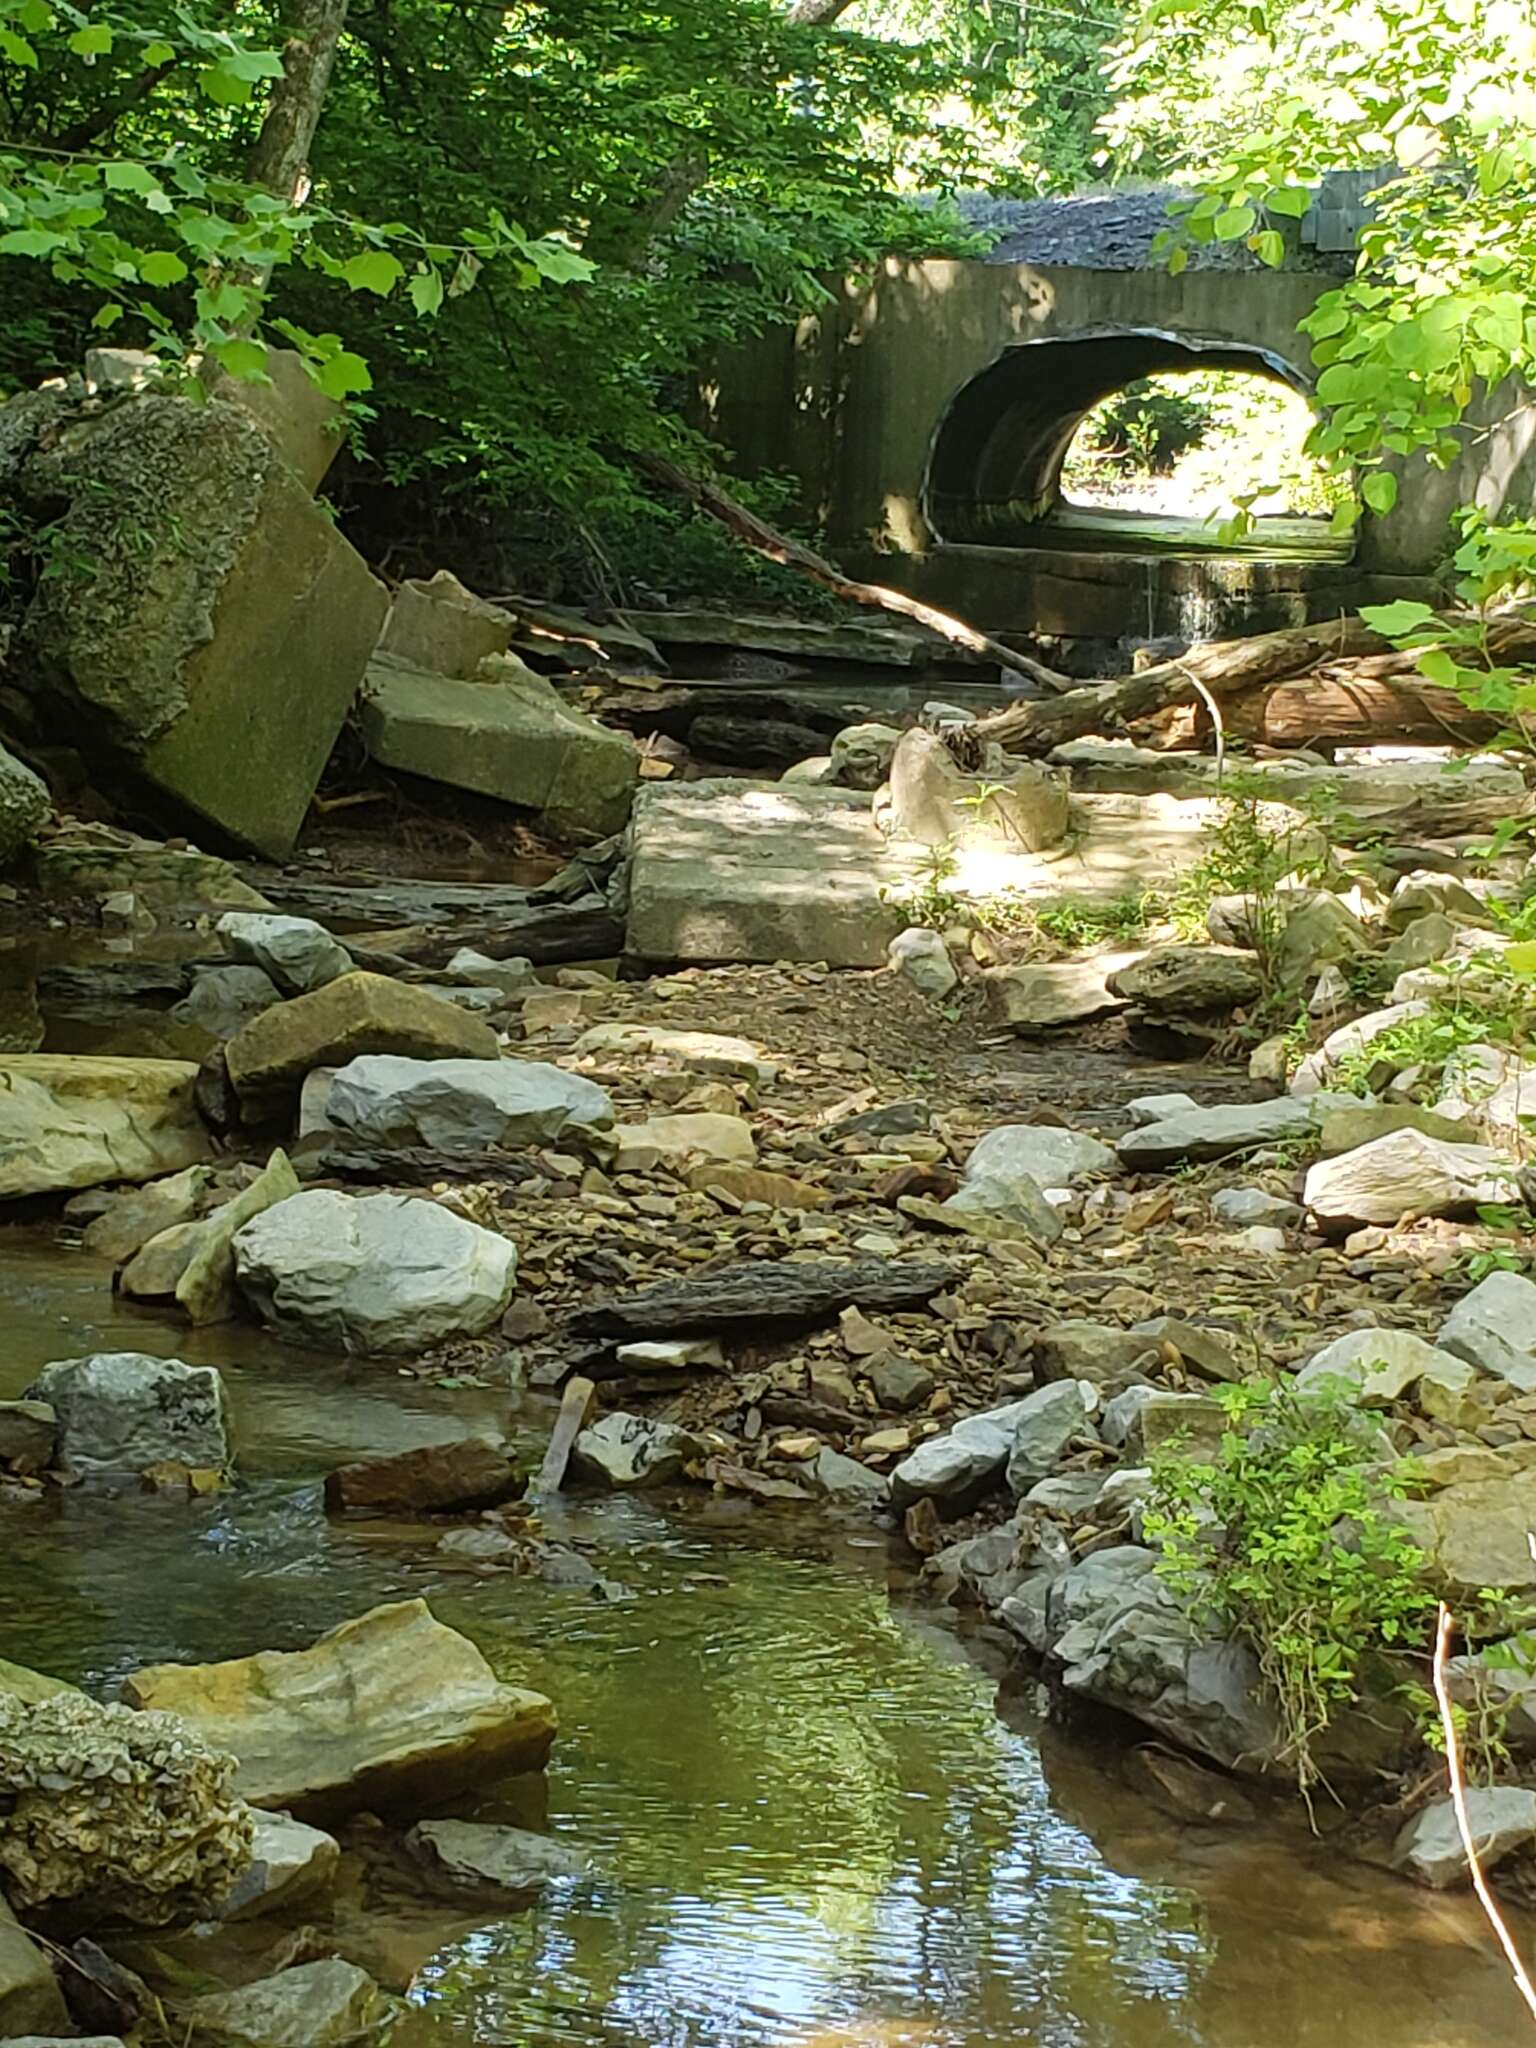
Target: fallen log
{"type": "Point", "coordinates": [1352, 709]}
{"type": "Point", "coordinates": [750, 1293]}
{"type": "Point", "coordinates": [548, 934]}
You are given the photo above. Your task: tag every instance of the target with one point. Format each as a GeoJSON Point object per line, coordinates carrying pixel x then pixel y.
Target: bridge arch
{"type": "Point", "coordinates": [995, 461]}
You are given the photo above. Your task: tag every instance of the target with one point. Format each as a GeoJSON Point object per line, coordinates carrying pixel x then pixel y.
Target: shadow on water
{"type": "Point", "coordinates": [809, 1825]}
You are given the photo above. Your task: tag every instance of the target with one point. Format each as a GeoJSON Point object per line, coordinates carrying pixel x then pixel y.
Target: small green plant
{"type": "Point", "coordinates": [1283, 1540]}
{"type": "Point", "coordinates": [932, 903]}
{"type": "Point", "coordinates": [1252, 848]}
{"type": "Point", "coordinates": [1493, 1014]}
{"type": "Point", "coordinates": [1075, 925]}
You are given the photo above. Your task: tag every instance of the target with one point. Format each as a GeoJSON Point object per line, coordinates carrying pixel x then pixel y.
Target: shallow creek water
{"type": "Point", "coordinates": [810, 1819]}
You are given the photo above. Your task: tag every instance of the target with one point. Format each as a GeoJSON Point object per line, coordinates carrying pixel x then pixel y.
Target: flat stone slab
{"type": "Point", "coordinates": [1357, 786]}
{"type": "Point", "coordinates": [754, 1292]}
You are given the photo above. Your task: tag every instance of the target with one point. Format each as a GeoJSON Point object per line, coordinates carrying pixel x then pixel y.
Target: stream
{"type": "Point", "coordinates": [812, 1818]}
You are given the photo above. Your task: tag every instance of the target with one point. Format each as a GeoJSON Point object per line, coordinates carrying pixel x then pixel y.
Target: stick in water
{"type": "Point", "coordinates": [1485, 1897]}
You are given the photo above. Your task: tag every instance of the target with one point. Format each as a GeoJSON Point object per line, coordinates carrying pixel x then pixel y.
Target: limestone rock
{"type": "Point", "coordinates": [29, 1432]}
{"type": "Point", "coordinates": [355, 1016]}
{"type": "Point", "coordinates": [1011, 808]}
{"type": "Point", "coordinates": [1492, 1087]}
{"type": "Point", "coordinates": [1244, 1206]}
{"type": "Point", "coordinates": [120, 1412]}
{"type": "Point", "coordinates": [1205, 1134]}
{"type": "Point", "coordinates": [478, 1858]}
{"type": "Point", "coordinates": [625, 1450]}
{"type": "Point", "coordinates": [897, 1382]}
{"type": "Point", "coordinates": [1345, 1130]}
{"type": "Point", "coordinates": [923, 958]}
{"type": "Point", "coordinates": [1494, 1328]}
{"type": "Point", "coordinates": [1157, 1109]}
{"type": "Point", "coordinates": [459, 1105]}
{"type": "Point", "coordinates": [1406, 1174]}
{"type": "Point", "coordinates": [1183, 979]}
{"type": "Point", "coordinates": [218, 637]}
{"type": "Point", "coordinates": [1051, 1156]}
{"type": "Point", "coordinates": [1381, 1365]}
{"type": "Point", "coordinates": [91, 859]}
{"type": "Point", "coordinates": [514, 738]}
{"type": "Point", "coordinates": [1001, 1206]}
{"type": "Point", "coordinates": [382, 1275]}
{"type": "Point", "coordinates": [1190, 1425]}
{"type": "Point", "coordinates": [958, 1466]}
{"type": "Point", "coordinates": [294, 952]}
{"type": "Point", "coordinates": [1040, 997]}
{"type": "Point", "coordinates": [687, 1136]}
{"type": "Point", "coordinates": [701, 1052]}
{"type": "Point", "coordinates": [1106, 1358]}
{"type": "Point", "coordinates": [838, 1478]}
{"type": "Point", "coordinates": [1424, 891]}
{"type": "Point", "coordinates": [1502, 1819]}
{"type": "Point", "coordinates": [437, 625]}
{"type": "Point", "coordinates": [431, 1480]}
{"type": "Point", "coordinates": [753, 1184]}
{"type": "Point", "coordinates": [1349, 1041]}
{"type": "Point", "coordinates": [139, 1214]}
{"type": "Point", "coordinates": [134, 1813]}
{"type": "Point", "coordinates": [29, 1992]}
{"type": "Point", "coordinates": [861, 755]}
{"type": "Point", "coordinates": [73, 1120]}
{"type": "Point", "coordinates": [1045, 1425]}
{"type": "Point", "coordinates": [386, 1712]}
{"type": "Point", "coordinates": [205, 1285]}
{"type": "Point", "coordinates": [25, 806]}
{"type": "Point", "coordinates": [332, 2004]}
{"type": "Point", "coordinates": [1476, 1531]}
{"type": "Point", "coordinates": [1419, 944]}
{"type": "Point", "coordinates": [478, 970]}
{"type": "Point", "coordinates": [289, 1863]}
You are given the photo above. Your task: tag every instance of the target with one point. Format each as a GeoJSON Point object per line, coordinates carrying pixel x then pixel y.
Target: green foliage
{"type": "Point", "coordinates": [1282, 1540]}
{"type": "Point", "coordinates": [1492, 1011]}
{"type": "Point", "coordinates": [1251, 849]}
{"type": "Point", "coordinates": [1076, 925]}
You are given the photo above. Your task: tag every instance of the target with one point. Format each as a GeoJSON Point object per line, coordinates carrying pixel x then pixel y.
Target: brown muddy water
{"type": "Point", "coordinates": [811, 1821]}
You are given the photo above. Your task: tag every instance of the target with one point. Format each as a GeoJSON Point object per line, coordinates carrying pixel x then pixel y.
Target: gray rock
{"type": "Point", "coordinates": [1262, 1238]}
{"type": "Point", "coordinates": [298, 954]}
{"type": "Point", "coordinates": [464, 1105]}
{"type": "Point", "coordinates": [1424, 891]}
{"type": "Point", "coordinates": [1185, 979]}
{"type": "Point", "coordinates": [1348, 1042]}
{"type": "Point", "coordinates": [1120, 1414]}
{"type": "Point", "coordinates": [1406, 1174]}
{"type": "Point", "coordinates": [1107, 1358]}
{"type": "Point", "coordinates": [1419, 944]}
{"type": "Point", "coordinates": [1050, 1156]}
{"type": "Point", "coordinates": [132, 1813]}
{"type": "Point", "coordinates": [290, 1862]}
{"type": "Point", "coordinates": [1205, 1134]}
{"type": "Point", "coordinates": [1045, 1424]}
{"type": "Point", "coordinates": [1244, 1206]}
{"type": "Point", "coordinates": [1494, 1328]}
{"type": "Point", "coordinates": [1203, 1351]}
{"type": "Point", "coordinates": [479, 1858]}
{"type": "Point", "coordinates": [898, 1382]}
{"type": "Point", "coordinates": [1381, 1365]}
{"type": "Point", "coordinates": [25, 806]}
{"type": "Point", "coordinates": [119, 1412]}
{"type": "Point", "coordinates": [29, 1432]}
{"type": "Point", "coordinates": [923, 958]}
{"type": "Point", "coordinates": [1012, 1205]}
{"type": "Point", "coordinates": [384, 1275]}
{"type": "Point", "coordinates": [1189, 1425]}
{"type": "Point", "coordinates": [29, 1992]}
{"type": "Point", "coordinates": [845, 1479]}
{"type": "Point", "coordinates": [316, 2005]}
{"type": "Point", "coordinates": [223, 999]}
{"type": "Point", "coordinates": [1157, 1109]}
{"type": "Point", "coordinates": [1070, 1495]}
{"type": "Point", "coordinates": [960, 1463]}
{"type": "Point", "coordinates": [1492, 1087]}
{"type": "Point", "coordinates": [479, 970]}
{"type": "Point", "coordinates": [631, 1450]}
{"type": "Point", "coordinates": [861, 755]}
{"type": "Point", "coordinates": [1043, 995]}
{"type": "Point", "coordinates": [1502, 1819]}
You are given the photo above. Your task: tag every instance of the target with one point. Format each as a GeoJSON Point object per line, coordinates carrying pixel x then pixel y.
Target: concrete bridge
{"type": "Point", "coordinates": [926, 413]}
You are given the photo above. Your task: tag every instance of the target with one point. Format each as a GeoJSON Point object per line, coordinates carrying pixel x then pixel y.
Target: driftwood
{"type": "Point", "coordinates": [1225, 669]}
{"type": "Point", "coordinates": [767, 541]}
{"type": "Point", "coordinates": [545, 933]}
{"type": "Point", "coordinates": [1352, 709]}
{"type": "Point", "coordinates": [750, 1293]}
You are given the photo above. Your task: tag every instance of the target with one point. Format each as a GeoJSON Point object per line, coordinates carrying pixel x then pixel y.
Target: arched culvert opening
{"type": "Point", "coordinates": [996, 469]}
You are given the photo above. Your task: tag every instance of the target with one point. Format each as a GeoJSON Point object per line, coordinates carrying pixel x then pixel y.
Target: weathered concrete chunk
{"type": "Point", "coordinates": [384, 1275]}
{"type": "Point", "coordinates": [514, 738]}
{"type": "Point", "coordinates": [740, 871]}
{"type": "Point", "coordinates": [458, 1105]}
{"type": "Point", "coordinates": [388, 1711]}
{"type": "Point", "coordinates": [135, 1813]}
{"type": "Point", "coordinates": [120, 1412]}
{"type": "Point", "coordinates": [1406, 1174]}
{"type": "Point", "coordinates": [298, 954]}
{"type": "Point", "coordinates": [72, 1120]}
{"type": "Point", "coordinates": [355, 1015]}
{"type": "Point", "coordinates": [1012, 806]}
{"type": "Point", "coordinates": [430, 1480]}
{"type": "Point", "coordinates": [315, 2005]}
{"type": "Point", "coordinates": [438, 626]}
{"type": "Point", "coordinates": [217, 626]}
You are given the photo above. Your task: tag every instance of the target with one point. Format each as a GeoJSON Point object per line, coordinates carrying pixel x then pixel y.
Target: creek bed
{"type": "Point", "coordinates": [811, 1819]}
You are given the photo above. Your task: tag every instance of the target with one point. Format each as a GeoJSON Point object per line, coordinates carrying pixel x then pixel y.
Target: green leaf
{"type": "Point", "coordinates": [426, 290]}
{"type": "Point", "coordinates": [94, 40]}
{"type": "Point", "coordinates": [224, 87]}
{"type": "Point", "coordinates": [1291, 200]}
{"type": "Point", "coordinates": [107, 315]}
{"type": "Point", "coordinates": [31, 242]}
{"type": "Point", "coordinates": [1379, 490]}
{"type": "Point", "coordinates": [343, 374]}
{"type": "Point", "coordinates": [244, 359]}
{"type": "Point", "coordinates": [159, 53]}
{"type": "Point", "coordinates": [18, 49]}
{"type": "Point", "coordinates": [1521, 959]}
{"type": "Point", "coordinates": [374, 270]}
{"type": "Point", "coordinates": [1402, 615]}
{"type": "Point", "coordinates": [128, 177]}
{"type": "Point", "coordinates": [1437, 665]}
{"type": "Point", "coordinates": [161, 266]}
{"type": "Point", "coordinates": [1269, 247]}
{"type": "Point", "coordinates": [1178, 260]}
{"type": "Point", "coordinates": [1234, 222]}
{"type": "Point", "coordinates": [34, 15]}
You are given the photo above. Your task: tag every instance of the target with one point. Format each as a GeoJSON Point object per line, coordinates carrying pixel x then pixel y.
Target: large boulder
{"type": "Point", "coordinates": [348, 1018]}
{"type": "Point", "coordinates": [121, 1412]}
{"type": "Point", "coordinates": [1051, 1155]}
{"type": "Point", "coordinates": [515, 738]}
{"type": "Point", "coordinates": [25, 806]}
{"type": "Point", "coordinates": [451, 1105]}
{"type": "Point", "coordinates": [297, 953]}
{"type": "Point", "coordinates": [1406, 1174]}
{"type": "Point", "coordinates": [1011, 807]}
{"type": "Point", "coordinates": [71, 1120]}
{"type": "Point", "coordinates": [382, 1275]}
{"type": "Point", "coordinates": [1190, 978]}
{"type": "Point", "coordinates": [387, 1712]}
{"type": "Point", "coordinates": [215, 633]}
{"type": "Point", "coordinates": [1045, 996]}
{"type": "Point", "coordinates": [135, 1814]}
{"type": "Point", "coordinates": [1476, 1531]}
{"type": "Point", "coordinates": [330, 2004]}
{"type": "Point", "coordinates": [1204, 1134]}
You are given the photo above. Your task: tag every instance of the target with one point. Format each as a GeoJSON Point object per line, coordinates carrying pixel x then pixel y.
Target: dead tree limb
{"type": "Point", "coordinates": [766, 540]}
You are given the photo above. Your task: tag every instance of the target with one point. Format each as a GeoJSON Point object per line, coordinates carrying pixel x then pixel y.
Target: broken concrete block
{"type": "Point", "coordinates": [437, 625]}
{"type": "Point", "coordinates": [303, 425]}
{"type": "Point", "coordinates": [209, 626]}
{"type": "Point", "coordinates": [1013, 806]}
{"type": "Point", "coordinates": [513, 738]}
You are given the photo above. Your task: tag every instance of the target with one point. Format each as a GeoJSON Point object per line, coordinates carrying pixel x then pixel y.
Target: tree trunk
{"type": "Point", "coordinates": [1353, 709]}
{"type": "Point", "coordinates": [765, 540]}
{"type": "Point", "coordinates": [280, 159]}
